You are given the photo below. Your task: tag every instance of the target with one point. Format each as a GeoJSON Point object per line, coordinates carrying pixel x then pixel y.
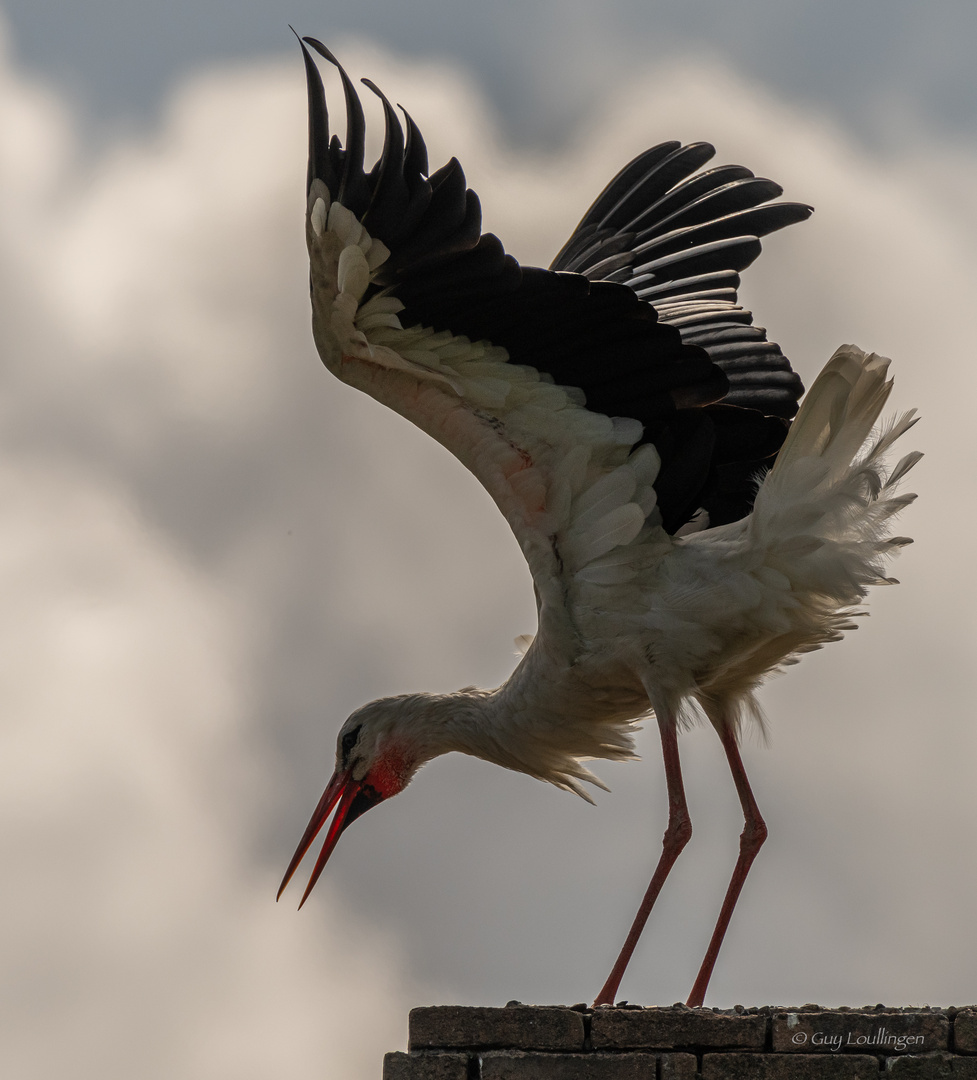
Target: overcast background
{"type": "Point", "coordinates": [211, 552]}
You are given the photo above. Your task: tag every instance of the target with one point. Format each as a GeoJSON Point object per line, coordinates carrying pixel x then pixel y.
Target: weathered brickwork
{"type": "Point", "coordinates": [532, 1042]}
{"type": "Point", "coordinates": [631, 1029]}
{"type": "Point", "coordinates": [519, 1027]}
{"type": "Point", "coordinates": [965, 1031]}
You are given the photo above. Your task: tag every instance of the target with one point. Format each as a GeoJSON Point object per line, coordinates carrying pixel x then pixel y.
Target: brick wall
{"type": "Point", "coordinates": [532, 1042]}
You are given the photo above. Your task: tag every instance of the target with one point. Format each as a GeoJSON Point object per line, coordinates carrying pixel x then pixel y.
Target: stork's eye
{"type": "Point", "coordinates": [347, 743]}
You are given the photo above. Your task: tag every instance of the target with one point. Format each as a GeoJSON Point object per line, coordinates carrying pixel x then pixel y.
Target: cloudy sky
{"type": "Point", "coordinates": [211, 552]}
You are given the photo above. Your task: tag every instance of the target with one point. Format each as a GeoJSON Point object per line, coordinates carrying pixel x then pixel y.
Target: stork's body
{"type": "Point", "coordinates": [625, 453]}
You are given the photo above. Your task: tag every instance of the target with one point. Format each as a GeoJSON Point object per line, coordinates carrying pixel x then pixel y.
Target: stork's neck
{"type": "Point", "coordinates": [518, 731]}
{"type": "Point", "coordinates": [468, 722]}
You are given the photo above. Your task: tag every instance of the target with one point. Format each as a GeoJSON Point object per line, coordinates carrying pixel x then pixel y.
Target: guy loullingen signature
{"type": "Point", "coordinates": [879, 1038]}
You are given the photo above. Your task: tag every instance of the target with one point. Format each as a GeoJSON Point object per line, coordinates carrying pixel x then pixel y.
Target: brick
{"type": "Point", "coordinates": [522, 1066]}
{"type": "Point", "coordinates": [664, 1029]}
{"type": "Point", "coordinates": [679, 1067]}
{"type": "Point", "coordinates": [965, 1032]}
{"type": "Point", "coordinates": [789, 1067]}
{"type": "Point", "coordinates": [864, 1032]}
{"type": "Point", "coordinates": [938, 1066]}
{"type": "Point", "coordinates": [523, 1027]}
{"type": "Point", "coordinates": [399, 1066]}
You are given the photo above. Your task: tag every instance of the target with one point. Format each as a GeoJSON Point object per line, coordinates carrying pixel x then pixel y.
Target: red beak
{"type": "Point", "coordinates": [354, 798]}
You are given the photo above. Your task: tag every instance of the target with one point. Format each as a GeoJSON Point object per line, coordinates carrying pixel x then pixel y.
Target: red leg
{"type": "Point", "coordinates": [676, 836]}
{"type": "Point", "coordinates": [751, 840]}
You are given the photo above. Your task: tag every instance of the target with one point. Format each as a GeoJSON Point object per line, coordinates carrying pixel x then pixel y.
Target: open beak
{"type": "Point", "coordinates": [354, 798]}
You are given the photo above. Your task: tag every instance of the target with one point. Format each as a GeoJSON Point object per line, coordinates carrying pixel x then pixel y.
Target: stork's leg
{"type": "Point", "coordinates": [676, 837]}
{"type": "Point", "coordinates": [751, 840]}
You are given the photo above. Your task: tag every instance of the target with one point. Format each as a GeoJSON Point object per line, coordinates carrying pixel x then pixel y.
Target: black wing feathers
{"type": "Point", "coordinates": [320, 160]}
{"type": "Point", "coordinates": [661, 169]}
{"type": "Point", "coordinates": [655, 233]}
{"type": "Point", "coordinates": [686, 248]}
{"type": "Point", "coordinates": [390, 195]}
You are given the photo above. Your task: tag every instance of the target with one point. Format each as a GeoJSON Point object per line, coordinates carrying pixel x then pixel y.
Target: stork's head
{"type": "Point", "coordinates": [378, 750]}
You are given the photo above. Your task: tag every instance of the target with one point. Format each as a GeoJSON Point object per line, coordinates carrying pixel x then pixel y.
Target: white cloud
{"type": "Point", "coordinates": [138, 931]}
{"type": "Point", "coordinates": [137, 934]}
{"type": "Point", "coordinates": [211, 552]}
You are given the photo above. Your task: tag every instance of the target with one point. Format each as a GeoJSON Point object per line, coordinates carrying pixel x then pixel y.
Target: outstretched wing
{"type": "Point", "coordinates": [582, 413]}
{"type": "Point", "coordinates": [679, 238]}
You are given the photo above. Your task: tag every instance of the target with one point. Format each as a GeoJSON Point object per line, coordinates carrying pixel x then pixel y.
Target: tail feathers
{"type": "Point", "coordinates": [820, 529]}
{"type": "Point", "coordinates": [824, 511]}
{"type": "Point", "coordinates": [838, 412]}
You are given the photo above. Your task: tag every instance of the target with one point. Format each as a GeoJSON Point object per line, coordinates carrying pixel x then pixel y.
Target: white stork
{"type": "Point", "coordinates": [684, 536]}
